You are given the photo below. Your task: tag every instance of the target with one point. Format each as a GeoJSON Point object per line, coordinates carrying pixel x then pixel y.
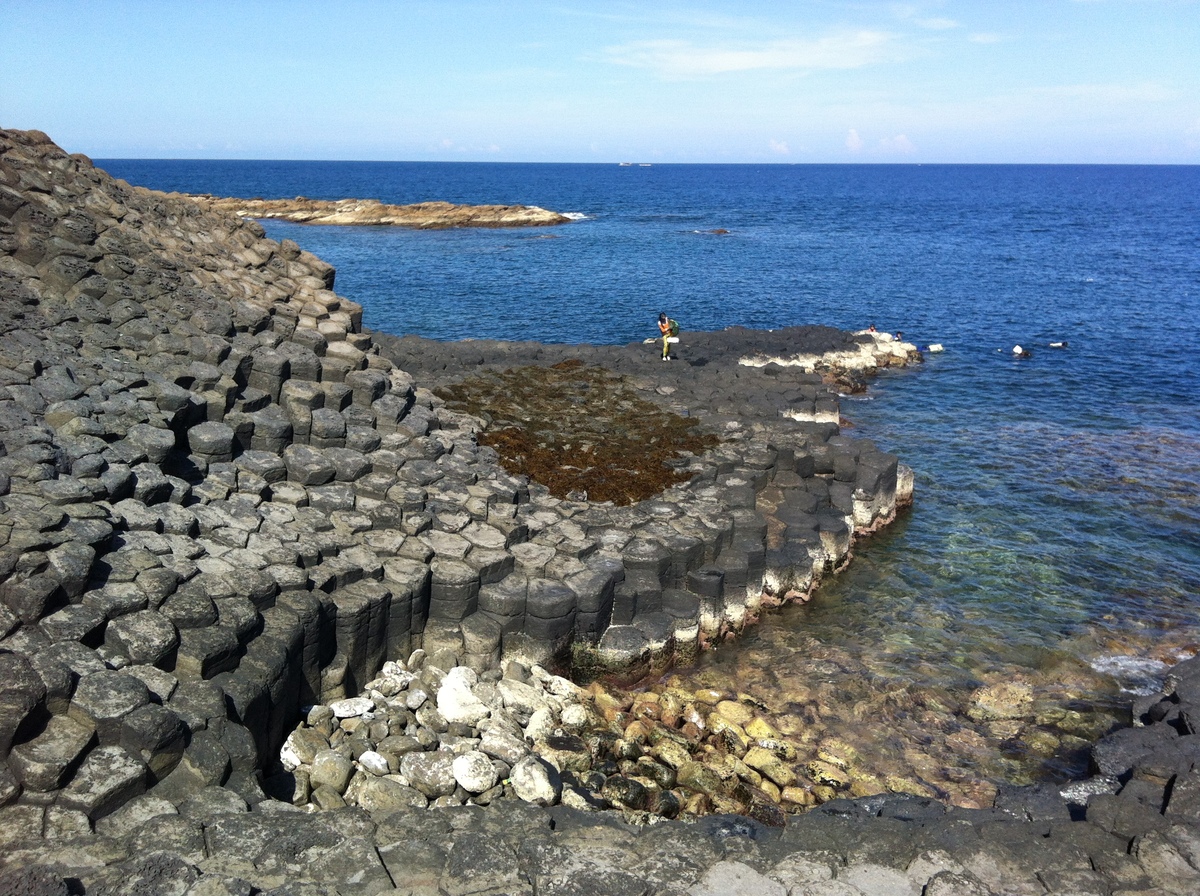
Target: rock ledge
{"type": "Point", "coordinates": [372, 212]}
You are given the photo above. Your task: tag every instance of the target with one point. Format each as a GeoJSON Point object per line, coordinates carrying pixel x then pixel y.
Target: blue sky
{"type": "Point", "coordinates": [526, 80]}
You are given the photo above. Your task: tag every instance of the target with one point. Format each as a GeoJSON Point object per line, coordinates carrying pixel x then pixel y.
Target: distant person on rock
{"type": "Point", "coordinates": [669, 327]}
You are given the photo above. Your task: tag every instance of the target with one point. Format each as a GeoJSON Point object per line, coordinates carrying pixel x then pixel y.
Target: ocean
{"type": "Point", "coordinates": [1055, 537]}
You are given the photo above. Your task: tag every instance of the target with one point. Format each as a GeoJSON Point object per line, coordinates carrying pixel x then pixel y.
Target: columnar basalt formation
{"type": "Point", "coordinates": [224, 510]}
{"type": "Point", "coordinates": [373, 213]}
{"type": "Point", "coordinates": [222, 503]}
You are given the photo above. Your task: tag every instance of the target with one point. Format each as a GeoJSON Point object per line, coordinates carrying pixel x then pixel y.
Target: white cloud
{"type": "Point", "coordinates": [682, 59]}
{"type": "Point", "coordinates": [898, 145]}
{"type": "Point", "coordinates": [985, 37]}
{"type": "Point", "coordinates": [779, 147]}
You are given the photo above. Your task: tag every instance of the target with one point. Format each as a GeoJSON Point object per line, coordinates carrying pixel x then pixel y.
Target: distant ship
{"type": "Point", "coordinates": [639, 164]}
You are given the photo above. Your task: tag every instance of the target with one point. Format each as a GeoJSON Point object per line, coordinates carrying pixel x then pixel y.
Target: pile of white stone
{"type": "Point", "coordinates": [420, 735]}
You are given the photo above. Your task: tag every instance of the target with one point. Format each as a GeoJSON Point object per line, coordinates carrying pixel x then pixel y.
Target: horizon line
{"type": "Point", "coordinates": [631, 164]}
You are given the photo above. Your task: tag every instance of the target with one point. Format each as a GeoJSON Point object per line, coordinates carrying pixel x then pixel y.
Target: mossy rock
{"type": "Point", "coordinates": [580, 431]}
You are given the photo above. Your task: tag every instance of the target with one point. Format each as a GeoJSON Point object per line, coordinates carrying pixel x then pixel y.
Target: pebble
{"type": "Point", "coordinates": [352, 707]}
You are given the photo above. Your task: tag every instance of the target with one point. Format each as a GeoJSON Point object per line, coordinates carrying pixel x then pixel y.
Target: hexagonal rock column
{"type": "Point", "coordinates": [299, 400]}
{"type": "Point", "coordinates": [270, 370]}
{"type": "Point", "coordinates": [550, 609]}
{"type": "Point", "coordinates": [42, 764]}
{"type": "Point", "coordinates": [359, 614]}
{"type": "Point", "coordinates": [708, 584]}
{"type": "Point", "coordinates": [875, 488]}
{"type": "Point", "coordinates": [409, 581]}
{"type": "Point", "coordinates": [145, 637]}
{"type": "Point", "coordinates": [156, 442]}
{"type": "Point", "coordinates": [108, 778]}
{"type": "Point", "coordinates": [454, 590]}
{"type": "Point", "coordinates": [367, 386]}
{"type": "Point", "coordinates": [308, 466]}
{"type": "Point", "coordinates": [645, 554]}
{"type": "Point", "coordinates": [103, 699]}
{"type": "Point", "coordinates": [623, 650]}
{"type": "Point", "coordinates": [157, 736]}
{"type": "Point", "coordinates": [211, 441]}
{"type": "Point", "coordinates": [328, 429]}
{"type": "Point", "coordinates": [504, 602]}
{"type": "Point", "coordinates": [481, 638]}
{"type": "Point", "coordinates": [595, 589]}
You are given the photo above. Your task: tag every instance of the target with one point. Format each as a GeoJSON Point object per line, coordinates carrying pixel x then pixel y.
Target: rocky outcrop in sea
{"type": "Point", "coordinates": [373, 213]}
{"type": "Point", "coordinates": [273, 620]}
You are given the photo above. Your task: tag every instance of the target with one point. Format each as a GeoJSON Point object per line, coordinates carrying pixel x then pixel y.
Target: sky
{"type": "Point", "coordinates": [976, 81]}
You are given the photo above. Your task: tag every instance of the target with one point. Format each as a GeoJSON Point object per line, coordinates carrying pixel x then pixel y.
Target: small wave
{"type": "Point", "coordinates": [576, 216]}
{"type": "Point", "coordinates": [1139, 675]}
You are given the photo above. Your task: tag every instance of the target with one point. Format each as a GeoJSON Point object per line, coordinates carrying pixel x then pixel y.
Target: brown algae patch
{"type": "Point", "coordinates": [583, 432]}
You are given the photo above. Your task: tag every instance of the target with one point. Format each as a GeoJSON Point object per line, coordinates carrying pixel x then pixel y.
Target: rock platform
{"type": "Point", "coordinates": [225, 508]}
{"type": "Point", "coordinates": [373, 213]}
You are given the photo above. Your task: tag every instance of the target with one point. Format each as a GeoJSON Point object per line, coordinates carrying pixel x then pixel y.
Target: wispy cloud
{"type": "Point", "coordinates": [985, 37]}
{"type": "Point", "coordinates": [899, 145]}
{"type": "Point", "coordinates": [683, 59]}
{"type": "Point", "coordinates": [938, 24]}
{"type": "Point", "coordinates": [447, 145]}
{"type": "Point", "coordinates": [780, 147]}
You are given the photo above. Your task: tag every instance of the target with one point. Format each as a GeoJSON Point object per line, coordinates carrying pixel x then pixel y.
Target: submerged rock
{"type": "Point", "coordinates": [1002, 701]}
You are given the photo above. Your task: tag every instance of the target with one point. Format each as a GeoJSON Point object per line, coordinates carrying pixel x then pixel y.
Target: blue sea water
{"type": "Point", "coordinates": [1057, 514]}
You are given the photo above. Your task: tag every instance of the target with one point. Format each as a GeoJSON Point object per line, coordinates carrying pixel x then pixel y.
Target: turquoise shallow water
{"type": "Point", "coordinates": [1056, 531]}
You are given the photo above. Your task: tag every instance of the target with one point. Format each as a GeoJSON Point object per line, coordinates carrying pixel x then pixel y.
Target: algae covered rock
{"type": "Point", "coordinates": [1001, 701]}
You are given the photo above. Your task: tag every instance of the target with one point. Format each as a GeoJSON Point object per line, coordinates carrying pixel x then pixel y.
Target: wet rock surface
{"type": "Point", "coordinates": [273, 620]}
{"type": "Point", "coordinates": [583, 432]}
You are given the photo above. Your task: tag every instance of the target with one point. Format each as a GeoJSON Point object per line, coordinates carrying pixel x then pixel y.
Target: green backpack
{"type": "Point", "coordinates": [674, 326]}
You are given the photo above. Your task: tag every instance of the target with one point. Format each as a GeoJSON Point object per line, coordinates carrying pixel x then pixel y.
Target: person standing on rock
{"type": "Point", "coordinates": [670, 330]}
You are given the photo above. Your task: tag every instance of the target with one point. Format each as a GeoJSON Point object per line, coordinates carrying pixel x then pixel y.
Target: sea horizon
{"type": "Point", "coordinates": [653, 164]}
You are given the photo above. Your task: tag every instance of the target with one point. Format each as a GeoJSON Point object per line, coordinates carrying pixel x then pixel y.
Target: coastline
{"type": "Point", "coordinates": [224, 501]}
{"type": "Point", "coordinates": [391, 527]}
{"type": "Point", "coordinates": [784, 417]}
